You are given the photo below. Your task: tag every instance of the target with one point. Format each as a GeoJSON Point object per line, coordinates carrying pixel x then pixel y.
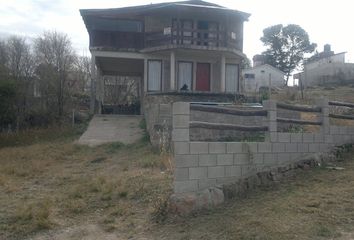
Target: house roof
{"type": "Point", "coordinates": [318, 57]}
{"type": "Point", "coordinates": [151, 7]}
{"type": "Point", "coordinates": [265, 65]}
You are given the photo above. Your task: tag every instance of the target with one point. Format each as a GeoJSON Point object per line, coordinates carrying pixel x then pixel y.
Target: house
{"type": "Point", "coordinates": [261, 75]}
{"type": "Point", "coordinates": [187, 50]}
{"type": "Point", "coordinates": [326, 67]}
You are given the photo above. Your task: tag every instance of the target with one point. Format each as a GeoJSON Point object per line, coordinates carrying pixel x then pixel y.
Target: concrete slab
{"type": "Point", "coordinates": [112, 128]}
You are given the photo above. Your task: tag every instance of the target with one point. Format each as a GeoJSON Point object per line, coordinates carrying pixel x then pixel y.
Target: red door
{"type": "Point", "coordinates": [203, 77]}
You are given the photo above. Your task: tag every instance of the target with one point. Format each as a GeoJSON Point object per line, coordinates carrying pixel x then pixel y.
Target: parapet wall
{"type": "Point", "coordinates": [200, 165]}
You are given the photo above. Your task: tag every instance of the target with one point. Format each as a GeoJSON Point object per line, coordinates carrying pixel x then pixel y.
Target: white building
{"type": "Point", "coordinates": [326, 68]}
{"type": "Point", "coordinates": [261, 75]}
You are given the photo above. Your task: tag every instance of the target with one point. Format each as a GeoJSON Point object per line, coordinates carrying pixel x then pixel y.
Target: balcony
{"type": "Point", "coordinates": [192, 37]}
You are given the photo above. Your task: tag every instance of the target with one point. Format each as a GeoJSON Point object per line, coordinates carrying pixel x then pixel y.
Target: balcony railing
{"type": "Point", "coordinates": [193, 37]}
{"type": "Point", "coordinates": [190, 37]}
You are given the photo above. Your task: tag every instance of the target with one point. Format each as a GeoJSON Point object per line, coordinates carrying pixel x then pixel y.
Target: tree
{"type": "Point", "coordinates": [286, 47]}
{"type": "Point", "coordinates": [56, 57]}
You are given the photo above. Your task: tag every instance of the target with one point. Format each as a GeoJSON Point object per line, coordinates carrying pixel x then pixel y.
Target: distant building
{"type": "Point", "coordinates": [326, 67]}
{"type": "Point", "coordinates": [259, 75]}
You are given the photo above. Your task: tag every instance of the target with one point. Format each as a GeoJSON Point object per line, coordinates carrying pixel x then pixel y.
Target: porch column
{"type": "Point", "coordinates": [172, 71]}
{"type": "Point", "coordinates": [93, 84]}
{"type": "Point", "coordinates": [145, 75]}
{"type": "Point", "coordinates": [222, 73]}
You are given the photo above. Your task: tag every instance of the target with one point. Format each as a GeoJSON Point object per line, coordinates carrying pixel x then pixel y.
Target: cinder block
{"type": "Point", "coordinates": [182, 161]}
{"type": "Point", "coordinates": [351, 130]}
{"type": "Point", "coordinates": [278, 147]}
{"type": "Point", "coordinates": [343, 130]}
{"type": "Point", "coordinates": [334, 130]}
{"type": "Point", "coordinates": [241, 158]}
{"type": "Point", "coordinates": [296, 137]}
{"type": "Point", "coordinates": [272, 116]}
{"type": "Point", "coordinates": [185, 186]}
{"type": "Point", "coordinates": [269, 104]}
{"type": "Point", "coordinates": [307, 137]}
{"type": "Point", "coordinates": [216, 172]}
{"type": "Point", "coordinates": [273, 126]}
{"type": "Point", "coordinates": [318, 137]}
{"type": "Point", "coordinates": [325, 147]}
{"type": "Point", "coordinates": [284, 137]}
{"type": "Point", "coordinates": [284, 158]}
{"type": "Point", "coordinates": [291, 147]}
{"type": "Point", "coordinates": [338, 139]}
{"type": "Point", "coordinates": [225, 159]}
{"type": "Point", "coordinates": [302, 147]}
{"type": "Point", "coordinates": [257, 158]}
{"type": "Point", "coordinates": [264, 147]}
{"type": "Point", "coordinates": [198, 173]}
{"type": "Point", "coordinates": [270, 159]}
{"type": "Point", "coordinates": [198, 147]}
{"type": "Point", "coordinates": [181, 148]}
{"type": "Point", "coordinates": [217, 147]}
{"type": "Point", "coordinates": [180, 121]}
{"type": "Point", "coordinates": [207, 160]}
{"type": "Point", "coordinates": [234, 147]}
{"type": "Point", "coordinates": [295, 156]}
{"type": "Point", "coordinates": [314, 147]}
{"type": "Point", "coordinates": [226, 180]}
{"type": "Point", "coordinates": [328, 139]}
{"type": "Point", "coordinates": [347, 139]}
{"type": "Point", "coordinates": [181, 174]}
{"type": "Point", "coordinates": [250, 147]}
{"type": "Point", "coordinates": [181, 108]}
{"type": "Point", "coordinates": [273, 137]}
{"type": "Point", "coordinates": [181, 134]}
{"type": "Point", "coordinates": [233, 171]}
{"type": "Point", "coordinates": [206, 183]}
{"type": "Point", "coordinates": [165, 109]}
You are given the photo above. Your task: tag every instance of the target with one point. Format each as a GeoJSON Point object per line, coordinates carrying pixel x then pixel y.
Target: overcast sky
{"type": "Point", "coordinates": [325, 21]}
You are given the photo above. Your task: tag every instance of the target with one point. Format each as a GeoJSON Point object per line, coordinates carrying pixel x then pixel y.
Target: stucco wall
{"type": "Point", "coordinates": [262, 78]}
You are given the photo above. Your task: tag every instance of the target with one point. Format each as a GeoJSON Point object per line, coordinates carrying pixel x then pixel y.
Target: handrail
{"type": "Point", "coordinates": [224, 126]}
{"type": "Point", "coordinates": [341, 104]}
{"type": "Point", "coordinates": [229, 111]}
{"type": "Point", "coordinates": [299, 108]}
{"type": "Point", "coordinates": [297, 121]}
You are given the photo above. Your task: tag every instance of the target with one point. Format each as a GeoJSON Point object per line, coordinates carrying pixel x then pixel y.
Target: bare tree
{"type": "Point", "coordinates": [56, 57]}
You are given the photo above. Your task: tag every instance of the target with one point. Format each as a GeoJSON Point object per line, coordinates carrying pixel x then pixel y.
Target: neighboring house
{"type": "Point", "coordinates": [192, 49]}
{"type": "Point", "coordinates": [261, 75]}
{"type": "Point", "coordinates": [326, 67]}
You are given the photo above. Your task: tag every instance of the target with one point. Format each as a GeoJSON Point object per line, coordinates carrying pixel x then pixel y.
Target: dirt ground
{"type": "Point", "coordinates": [55, 189]}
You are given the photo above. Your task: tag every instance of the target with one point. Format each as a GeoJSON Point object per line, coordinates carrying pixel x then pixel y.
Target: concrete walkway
{"type": "Point", "coordinates": [112, 128]}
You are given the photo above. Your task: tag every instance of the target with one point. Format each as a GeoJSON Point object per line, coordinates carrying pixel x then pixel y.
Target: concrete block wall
{"type": "Point", "coordinates": [200, 165]}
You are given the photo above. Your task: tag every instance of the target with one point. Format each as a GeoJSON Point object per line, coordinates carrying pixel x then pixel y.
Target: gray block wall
{"type": "Point", "coordinates": [200, 165]}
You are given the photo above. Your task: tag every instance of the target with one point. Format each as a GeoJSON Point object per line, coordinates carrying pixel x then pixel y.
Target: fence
{"type": "Point", "coordinates": [203, 164]}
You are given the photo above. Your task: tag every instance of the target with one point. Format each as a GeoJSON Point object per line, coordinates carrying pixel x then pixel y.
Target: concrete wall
{"type": "Point", "coordinates": [200, 165]}
{"type": "Point", "coordinates": [262, 78]}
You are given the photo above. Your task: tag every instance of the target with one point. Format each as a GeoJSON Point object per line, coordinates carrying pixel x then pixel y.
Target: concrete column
{"type": "Point", "coordinates": [172, 71]}
{"type": "Point", "coordinates": [145, 75]}
{"type": "Point", "coordinates": [323, 103]}
{"type": "Point", "coordinates": [222, 74]}
{"type": "Point", "coordinates": [93, 84]}
{"type": "Point", "coordinates": [271, 107]}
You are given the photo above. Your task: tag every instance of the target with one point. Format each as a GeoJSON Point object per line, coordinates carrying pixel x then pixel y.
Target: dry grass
{"type": "Point", "coordinates": [57, 190]}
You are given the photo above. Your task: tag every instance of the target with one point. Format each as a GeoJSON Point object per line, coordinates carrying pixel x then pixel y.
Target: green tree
{"type": "Point", "coordinates": [286, 47]}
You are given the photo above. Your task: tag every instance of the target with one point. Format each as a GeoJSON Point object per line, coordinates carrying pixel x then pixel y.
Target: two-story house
{"type": "Point", "coordinates": [176, 48]}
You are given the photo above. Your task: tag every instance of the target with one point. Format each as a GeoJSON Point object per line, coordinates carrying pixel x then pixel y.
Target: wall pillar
{"type": "Point", "coordinates": [222, 73]}
{"type": "Point", "coordinates": [172, 71]}
{"type": "Point", "coordinates": [271, 107]}
{"type": "Point", "coordinates": [93, 84]}
{"type": "Point", "coordinates": [323, 103]}
{"type": "Point", "coordinates": [145, 81]}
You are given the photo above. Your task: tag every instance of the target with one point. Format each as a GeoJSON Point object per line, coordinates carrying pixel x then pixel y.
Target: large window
{"type": "Point", "coordinates": [231, 78]}
{"type": "Point", "coordinates": [154, 75]}
{"type": "Point", "coordinates": [185, 75]}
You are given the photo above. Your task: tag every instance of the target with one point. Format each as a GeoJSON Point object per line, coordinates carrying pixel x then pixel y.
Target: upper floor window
{"type": "Point", "coordinates": [116, 25]}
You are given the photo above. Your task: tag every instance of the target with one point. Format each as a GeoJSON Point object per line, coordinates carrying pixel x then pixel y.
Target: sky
{"type": "Point", "coordinates": [325, 21]}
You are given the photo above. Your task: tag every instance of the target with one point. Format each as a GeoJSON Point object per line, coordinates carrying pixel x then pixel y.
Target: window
{"type": "Point", "coordinates": [154, 75]}
{"type": "Point", "coordinates": [231, 78]}
{"type": "Point", "coordinates": [185, 75]}
{"type": "Point", "coordinates": [249, 76]}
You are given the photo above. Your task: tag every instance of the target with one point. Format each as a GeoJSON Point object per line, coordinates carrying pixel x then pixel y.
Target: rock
{"type": "Point", "coordinates": [186, 203]}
